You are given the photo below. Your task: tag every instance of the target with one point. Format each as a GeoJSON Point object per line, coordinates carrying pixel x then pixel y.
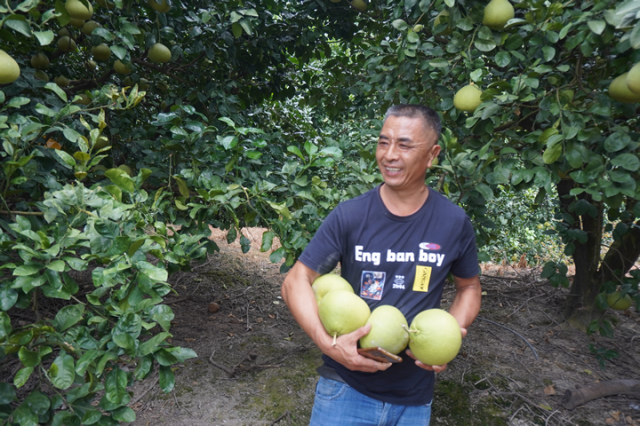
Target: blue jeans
{"type": "Point", "coordinates": [338, 404]}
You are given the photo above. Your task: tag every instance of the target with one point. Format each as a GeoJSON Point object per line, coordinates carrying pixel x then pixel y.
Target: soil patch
{"type": "Point", "coordinates": [257, 367]}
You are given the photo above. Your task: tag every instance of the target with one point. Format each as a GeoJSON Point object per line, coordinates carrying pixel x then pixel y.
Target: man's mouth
{"type": "Point", "coordinates": [393, 169]}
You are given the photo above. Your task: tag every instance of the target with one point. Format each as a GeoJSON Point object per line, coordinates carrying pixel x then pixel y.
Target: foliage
{"type": "Point", "coordinates": [266, 115]}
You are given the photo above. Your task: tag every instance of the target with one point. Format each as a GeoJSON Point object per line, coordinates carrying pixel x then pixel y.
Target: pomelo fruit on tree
{"type": "Point", "coordinates": [329, 282]}
{"type": "Point", "coordinates": [633, 79]}
{"type": "Point", "coordinates": [161, 6]}
{"type": "Point", "coordinates": [126, 169]}
{"type": "Point", "coordinates": [84, 99]}
{"type": "Point", "coordinates": [91, 65]}
{"type": "Point", "coordinates": [121, 68]}
{"type": "Point", "coordinates": [388, 330]}
{"type": "Point", "coordinates": [78, 23]}
{"type": "Point", "coordinates": [619, 90]}
{"type": "Point", "coordinates": [467, 98]}
{"type": "Point", "coordinates": [101, 142]}
{"type": "Point", "coordinates": [64, 32]}
{"type": "Point", "coordinates": [89, 26]}
{"type": "Point", "coordinates": [101, 52]}
{"type": "Point", "coordinates": [66, 44]}
{"type": "Point", "coordinates": [78, 10]}
{"type": "Point", "coordinates": [9, 68]}
{"type": "Point", "coordinates": [439, 20]}
{"type": "Point", "coordinates": [41, 75]}
{"type": "Point", "coordinates": [159, 53]}
{"type": "Point", "coordinates": [618, 301]}
{"type": "Point", "coordinates": [342, 312]}
{"type": "Point", "coordinates": [40, 61]}
{"type": "Point", "coordinates": [435, 337]}
{"type": "Point", "coordinates": [143, 84]}
{"type": "Point", "coordinates": [61, 81]}
{"type": "Point", "coordinates": [497, 13]}
{"type": "Point", "coordinates": [359, 4]}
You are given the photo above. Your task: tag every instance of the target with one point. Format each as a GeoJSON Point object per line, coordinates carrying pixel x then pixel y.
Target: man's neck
{"type": "Point", "coordinates": [403, 203]}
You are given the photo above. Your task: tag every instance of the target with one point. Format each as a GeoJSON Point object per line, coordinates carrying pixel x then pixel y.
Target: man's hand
{"type": "Point", "coordinates": [434, 368]}
{"type": "Point", "coordinates": [345, 351]}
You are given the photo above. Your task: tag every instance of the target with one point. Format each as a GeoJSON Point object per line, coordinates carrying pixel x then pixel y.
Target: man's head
{"type": "Point", "coordinates": [407, 145]}
{"type": "Point", "coordinates": [426, 115]}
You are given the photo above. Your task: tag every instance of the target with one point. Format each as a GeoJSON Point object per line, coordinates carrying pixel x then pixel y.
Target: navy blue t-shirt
{"type": "Point", "coordinates": [394, 260]}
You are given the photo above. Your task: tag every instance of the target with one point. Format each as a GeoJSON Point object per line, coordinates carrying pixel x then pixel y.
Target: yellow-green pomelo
{"type": "Point", "coordinates": [91, 65]}
{"type": "Point", "coordinates": [61, 81]}
{"type": "Point", "coordinates": [99, 167]}
{"type": "Point", "coordinates": [101, 52]}
{"type": "Point", "coordinates": [9, 68]}
{"type": "Point", "coordinates": [78, 10]}
{"type": "Point", "coordinates": [467, 98]}
{"type": "Point", "coordinates": [84, 99]}
{"type": "Point", "coordinates": [342, 312]}
{"type": "Point", "coordinates": [126, 169]}
{"type": "Point", "coordinates": [497, 13]}
{"type": "Point", "coordinates": [619, 91]}
{"type": "Point", "coordinates": [101, 142]}
{"type": "Point", "coordinates": [388, 330]}
{"type": "Point", "coordinates": [78, 23]}
{"type": "Point", "coordinates": [159, 53]}
{"type": "Point", "coordinates": [435, 337]}
{"type": "Point", "coordinates": [439, 19]}
{"type": "Point", "coordinates": [41, 75]}
{"type": "Point", "coordinates": [329, 282]}
{"type": "Point", "coordinates": [40, 61]}
{"type": "Point", "coordinates": [63, 32]}
{"type": "Point", "coordinates": [161, 6]}
{"type": "Point", "coordinates": [66, 44]}
{"type": "Point", "coordinates": [121, 68]}
{"type": "Point", "coordinates": [143, 84]}
{"type": "Point", "coordinates": [89, 26]}
{"type": "Point", "coordinates": [633, 79]}
{"type": "Point", "coordinates": [128, 81]}
{"type": "Point", "coordinates": [359, 4]}
{"type": "Point", "coordinates": [618, 301]}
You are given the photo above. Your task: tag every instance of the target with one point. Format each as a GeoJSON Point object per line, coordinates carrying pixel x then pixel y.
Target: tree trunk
{"type": "Point", "coordinates": [591, 270]}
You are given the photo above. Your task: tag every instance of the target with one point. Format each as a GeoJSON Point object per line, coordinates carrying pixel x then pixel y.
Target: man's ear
{"type": "Point", "coordinates": [433, 153]}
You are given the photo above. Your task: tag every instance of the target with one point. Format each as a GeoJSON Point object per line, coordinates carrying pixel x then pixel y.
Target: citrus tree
{"type": "Point", "coordinates": [540, 106]}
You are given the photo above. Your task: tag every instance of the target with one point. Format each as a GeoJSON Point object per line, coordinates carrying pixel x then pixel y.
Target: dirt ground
{"type": "Point", "coordinates": [256, 367]}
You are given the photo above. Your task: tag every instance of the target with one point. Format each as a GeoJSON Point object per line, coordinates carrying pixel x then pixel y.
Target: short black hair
{"type": "Point", "coordinates": [428, 116]}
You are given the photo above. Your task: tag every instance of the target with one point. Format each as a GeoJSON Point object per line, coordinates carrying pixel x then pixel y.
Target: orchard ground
{"type": "Point", "coordinates": [255, 366]}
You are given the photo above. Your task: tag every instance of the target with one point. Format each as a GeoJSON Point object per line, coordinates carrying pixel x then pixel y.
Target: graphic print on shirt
{"type": "Point", "coordinates": [372, 284]}
{"type": "Point", "coordinates": [423, 276]}
{"type": "Point", "coordinates": [398, 282]}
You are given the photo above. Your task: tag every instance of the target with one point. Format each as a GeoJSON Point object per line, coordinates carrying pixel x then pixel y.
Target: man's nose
{"type": "Point", "coordinates": [392, 151]}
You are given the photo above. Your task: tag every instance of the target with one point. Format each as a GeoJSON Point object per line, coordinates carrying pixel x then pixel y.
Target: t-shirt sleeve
{"type": "Point", "coordinates": [466, 266]}
{"type": "Point", "coordinates": [325, 249]}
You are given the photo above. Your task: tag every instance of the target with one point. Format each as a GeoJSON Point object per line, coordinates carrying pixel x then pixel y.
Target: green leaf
{"type": "Point", "coordinates": [295, 150]}
{"type": "Point", "coordinates": [151, 271]}
{"type": "Point", "coordinates": [626, 161]}
{"type": "Point", "coordinates": [67, 160]}
{"type": "Point", "coordinates": [151, 345]}
{"type": "Point", "coordinates": [267, 241]}
{"type": "Point", "coordinates": [552, 154]}
{"type": "Point", "coordinates": [277, 255]}
{"type": "Point", "coordinates": [68, 316]}
{"type": "Point", "coordinates": [502, 59]}
{"type": "Point", "coordinates": [182, 187]}
{"type": "Point", "coordinates": [56, 265]}
{"type": "Point", "coordinates": [8, 298]}
{"type": "Point", "coordinates": [17, 102]}
{"type": "Point", "coordinates": [86, 360]}
{"type": "Point", "coordinates": [7, 394]}
{"type": "Point", "coordinates": [167, 379]}
{"type": "Point", "coordinates": [5, 326]}
{"type": "Point", "coordinates": [548, 53]}
{"type": "Point", "coordinates": [124, 414]}
{"type": "Point", "coordinates": [163, 315]}
{"type": "Point", "coordinates": [57, 90]}
{"type": "Point", "coordinates": [27, 269]}
{"type": "Point", "coordinates": [17, 23]}
{"type": "Point", "coordinates": [400, 25]}
{"type": "Point", "coordinates": [115, 386]}
{"type": "Point", "coordinates": [597, 26]}
{"type": "Point", "coordinates": [28, 358]}
{"type": "Point", "coordinates": [121, 179]}
{"type": "Point", "coordinates": [124, 340]}
{"type": "Point", "coordinates": [44, 37]}
{"type": "Point", "coordinates": [22, 376]}
{"type": "Point", "coordinates": [62, 371]}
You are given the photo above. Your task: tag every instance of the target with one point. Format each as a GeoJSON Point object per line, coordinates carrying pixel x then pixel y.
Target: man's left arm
{"type": "Point", "coordinates": [466, 303]}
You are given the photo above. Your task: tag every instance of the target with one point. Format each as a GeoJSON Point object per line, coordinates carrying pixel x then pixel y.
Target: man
{"type": "Point", "coordinates": [409, 237]}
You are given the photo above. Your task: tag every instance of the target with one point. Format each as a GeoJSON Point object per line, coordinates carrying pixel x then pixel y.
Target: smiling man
{"type": "Point", "coordinates": [407, 236]}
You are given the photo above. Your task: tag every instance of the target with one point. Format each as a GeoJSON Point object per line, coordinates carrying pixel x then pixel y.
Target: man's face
{"type": "Point", "coordinates": [406, 148]}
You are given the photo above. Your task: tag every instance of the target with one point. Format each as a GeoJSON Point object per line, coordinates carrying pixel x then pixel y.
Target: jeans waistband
{"type": "Point", "coordinates": [329, 373]}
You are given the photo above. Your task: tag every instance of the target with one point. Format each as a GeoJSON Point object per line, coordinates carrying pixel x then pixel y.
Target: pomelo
{"type": "Point", "coordinates": [159, 53]}
{"type": "Point", "coordinates": [389, 330]}
{"type": "Point", "coordinates": [442, 18]}
{"type": "Point", "coordinates": [497, 13]}
{"type": "Point", "coordinates": [342, 312]}
{"type": "Point", "coordinates": [78, 10]}
{"type": "Point", "coordinates": [161, 6]}
{"type": "Point", "coordinates": [41, 75]}
{"type": "Point", "coordinates": [329, 282]}
{"type": "Point", "coordinates": [435, 337]}
{"type": "Point", "coordinates": [9, 68]}
{"type": "Point", "coordinates": [89, 26]}
{"type": "Point", "coordinates": [359, 4]}
{"type": "Point", "coordinates": [121, 68]}
{"type": "Point", "coordinates": [78, 23]}
{"type": "Point", "coordinates": [619, 90]}
{"type": "Point", "coordinates": [84, 99]}
{"type": "Point", "coordinates": [618, 301]}
{"type": "Point", "coordinates": [61, 81]}
{"type": "Point", "coordinates": [468, 98]}
{"type": "Point", "coordinates": [101, 142]}
{"type": "Point", "coordinates": [101, 52]}
{"type": "Point", "coordinates": [66, 44]}
{"type": "Point", "coordinates": [633, 79]}
{"type": "Point", "coordinates": [126, 169]}
{"type": "Point", "coordinates": [40, 61]}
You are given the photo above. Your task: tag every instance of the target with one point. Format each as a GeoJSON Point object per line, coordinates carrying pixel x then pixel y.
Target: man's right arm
{"type": "Point", "coordinates": [299, 297]}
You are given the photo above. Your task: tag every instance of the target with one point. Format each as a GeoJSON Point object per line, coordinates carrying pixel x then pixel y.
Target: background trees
{"type": "Point", "coordinates": [266, 114]}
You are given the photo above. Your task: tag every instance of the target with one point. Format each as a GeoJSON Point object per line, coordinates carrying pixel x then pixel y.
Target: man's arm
{"type": "Point", "coordinates": [299, 297]}
{"type": "Point", "coordinates": [464, 308]}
